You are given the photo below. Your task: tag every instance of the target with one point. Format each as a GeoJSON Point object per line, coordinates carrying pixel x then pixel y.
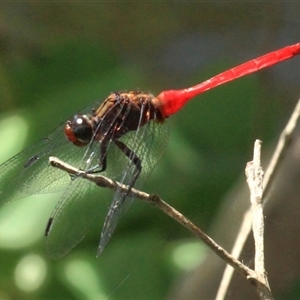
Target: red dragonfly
{"type": "Point", "coordinates": [123, 137]}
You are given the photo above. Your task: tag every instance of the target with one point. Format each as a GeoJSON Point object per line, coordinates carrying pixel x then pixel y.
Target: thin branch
{"type": "Point", "coordinates": [282, 145]}
{"type": "Point", "coordinates": [154, 200]}
{"type": "Point", "coordinates": [241, 239]}
{"type": "Point", "coordinates": [254, 174]}
{"type": "Point", "coordinates": [245, 229]}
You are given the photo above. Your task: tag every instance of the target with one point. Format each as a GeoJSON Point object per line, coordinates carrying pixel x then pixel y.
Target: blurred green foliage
{"type": "Point", "coordinates": [56, 58]}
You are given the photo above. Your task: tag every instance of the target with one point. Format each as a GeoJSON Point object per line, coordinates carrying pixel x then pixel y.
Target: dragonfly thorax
{"type": "Point", "coordinates": [128, 111]}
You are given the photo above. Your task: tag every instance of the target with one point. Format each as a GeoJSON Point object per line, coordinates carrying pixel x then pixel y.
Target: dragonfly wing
{"type": "Point", "coordinates": [147, 143]}
{"type": "Point", "coordinates": [77, 211]}
{"type": "Point", "coordinates": [117, 208]}
{"type": "Point", "coordinates": [74, 215]}
{"type": "Point", "coordinates": [29, 171]}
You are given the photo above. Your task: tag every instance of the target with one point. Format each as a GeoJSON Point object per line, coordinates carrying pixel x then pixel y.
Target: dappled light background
{"type": "Point", "coordinates": [57, 58]}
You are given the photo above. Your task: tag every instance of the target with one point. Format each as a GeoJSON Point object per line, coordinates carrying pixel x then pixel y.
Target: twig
{"type": "Point", "coordinates": [166, 208]}
{"type": "Point", "coordinates": [245, 229]}
{"type": "Point", "coordinates": [254, 174]}
{"type": "Point", "coordinates": [282, 146]}
{"type": "Point", "coordinates": [241, 239]}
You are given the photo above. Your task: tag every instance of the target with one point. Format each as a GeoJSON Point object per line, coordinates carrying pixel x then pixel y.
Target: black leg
{"type": "Point", "coordinates": [134, 158]}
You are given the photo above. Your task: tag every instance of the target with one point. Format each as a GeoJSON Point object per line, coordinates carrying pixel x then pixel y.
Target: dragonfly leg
{"type": "Point", "coordinates": [101, 166]}
{"type": "Point", "coordinates": [135, 160]}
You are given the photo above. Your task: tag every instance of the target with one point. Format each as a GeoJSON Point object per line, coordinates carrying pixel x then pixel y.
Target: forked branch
{"type": "Point", "coordinates": [275, 162]}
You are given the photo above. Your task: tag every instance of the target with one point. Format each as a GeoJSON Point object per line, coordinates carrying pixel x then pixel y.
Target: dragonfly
{"type": "Point", "coordinates": [122, 137]}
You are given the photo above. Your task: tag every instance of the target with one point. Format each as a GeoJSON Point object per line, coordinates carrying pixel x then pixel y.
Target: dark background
{"type": "Point", "coordinates": [56, 58]}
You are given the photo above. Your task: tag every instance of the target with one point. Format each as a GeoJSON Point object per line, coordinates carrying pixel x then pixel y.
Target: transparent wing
{"type": "Point", "coordinates": [29, 171]}
{"type": "Point", "coordinates": [77, 211]}
{"type": "Point", "coordinates": [74, 215]}
{"type": "Point", "coordinates": [148, 144]}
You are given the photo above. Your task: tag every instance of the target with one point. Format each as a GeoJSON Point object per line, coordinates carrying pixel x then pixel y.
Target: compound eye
{"type": "Point", "coordinates": [79, 130]}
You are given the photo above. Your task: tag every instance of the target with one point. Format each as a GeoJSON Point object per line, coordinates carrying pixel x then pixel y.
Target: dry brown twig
{"type": "Point", "coordinates": [102, 181]}
{"type": "Point", "coordinates": [156, 201]}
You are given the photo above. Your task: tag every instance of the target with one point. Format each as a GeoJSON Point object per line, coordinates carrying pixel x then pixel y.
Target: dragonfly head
{"type": "Point", "coordinates": [79, 130]}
